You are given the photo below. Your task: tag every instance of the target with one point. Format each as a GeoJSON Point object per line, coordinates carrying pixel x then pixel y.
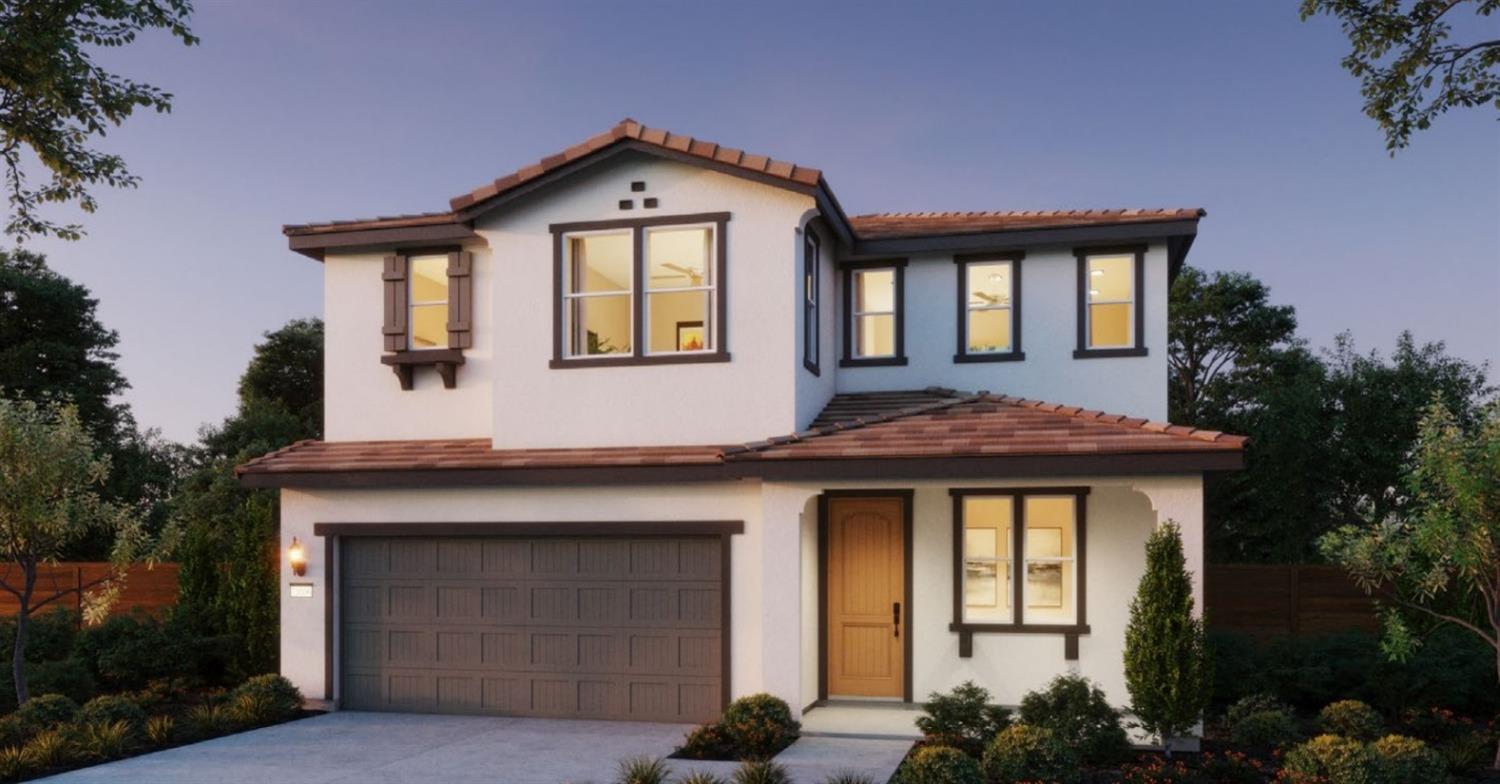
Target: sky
{"type": "Point", "coordinates": [291, 112]}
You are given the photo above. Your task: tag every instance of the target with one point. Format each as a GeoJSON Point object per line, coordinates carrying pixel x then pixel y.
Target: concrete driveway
{"type": "Point", "coordinates": [394, 748]}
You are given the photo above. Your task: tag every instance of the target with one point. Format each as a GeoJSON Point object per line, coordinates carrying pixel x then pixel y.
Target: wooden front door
{"type": "Point", "coordinates": [866, 597]}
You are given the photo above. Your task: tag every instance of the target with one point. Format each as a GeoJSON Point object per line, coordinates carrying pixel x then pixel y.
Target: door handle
{"type": "Point", "coordinates": [896, 617]}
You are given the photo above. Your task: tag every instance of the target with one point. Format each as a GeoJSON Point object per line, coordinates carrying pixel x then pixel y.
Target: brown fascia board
{"type": "Point", "coordinates": [316, 245]}
{"type": "Point", "coordinates": [883, 469]}
{"type": "Point", "coordinates": [1025, 238]}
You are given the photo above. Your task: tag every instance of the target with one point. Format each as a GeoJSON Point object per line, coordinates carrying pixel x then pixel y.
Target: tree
{"type": "Point", "coordinates": [1433, 563]}
{"type": "Point", "coordinates": [1220, 328]}
{"type": "Point", "coordinates": [53, 347]}
{"type": "Point", "coordinates": [49, 472]}
{"type": "Point", "coordinates": [1409, 71]}
{"type": "Point", "coordinates": [1167, 669]}
{"type": "Point", "coordinates": [227, 584]}
{"type": "Point", "coordinates": [54, 99]}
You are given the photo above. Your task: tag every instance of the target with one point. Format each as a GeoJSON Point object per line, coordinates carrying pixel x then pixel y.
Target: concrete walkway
{"type": "Point", "coordinates": [393, 748]}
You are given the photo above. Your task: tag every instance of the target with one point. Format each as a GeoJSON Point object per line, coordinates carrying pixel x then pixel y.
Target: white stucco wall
{"type": "Point", "coordinates": [364, 398]}
{"type": "Point", "coordinates": [535, 406]}
{"type": "Point", "coordinates": [1049, 334]}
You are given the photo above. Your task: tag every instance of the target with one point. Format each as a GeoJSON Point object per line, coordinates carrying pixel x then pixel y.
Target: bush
{"type": "Point", "coordinates": [847, 777]}
{"type": "Point", "coordinates": [760, 726]}
{"type": "Point", "coordinates": [1330, 759]}
{"type": "Point", "coordinates": [1159, 770]}
{"type": "Point", "coordinates": [104, 740]}
{"type": "Point", "coordinates": [1254, 703]}
{"type": "Point", "coordinates": [708, 742]}
{"type": "Point", "coordinates": [940, 765]}
{"type": "Point", "coordinates": [1231, 767]}
{"type": "Point", "coordinates": [963, 718]}
{"type": "Point", "coordinates": [1352, 719]}
{"type": "Point", "coordinates": [13, 764]}
{"type": "Point", "coordinates": [1022, 752]}
{"type": "Point", "coordinates": [1271, 729]}
{"type": "Point", "coordinates": [700, 777]}
{"type": "Point", "coordinates": [45, 712]}
{"type": "Point", "coordinates": [48, 749]}
{"type": "Point", "coordinates": [209, 720]}
{"type": "Point", "coordinates": [111, 708]}
{"type": "Point", "coordinates": [1167, 667]}
{"type": "Point", "coordinates": [1403, 760]}
{"type": "Point", "coordinates": [1076, 711]}
{"type": "Point", "coordinates": [127, 652]}
{"type": "Point", "coordinates": [264, 699]}
{"type": "Point", "coordinates": [642, 770]}
{"type": "Point", "coordinates": [159, 730]}
{"type": "Point", "coordinates": [11, 732]}
{"type": "Point", "coordinates": [760, 772]}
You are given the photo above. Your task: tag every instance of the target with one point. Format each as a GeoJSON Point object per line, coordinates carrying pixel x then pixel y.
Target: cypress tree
{"type": "Point", "coordinates": [1166, 662]}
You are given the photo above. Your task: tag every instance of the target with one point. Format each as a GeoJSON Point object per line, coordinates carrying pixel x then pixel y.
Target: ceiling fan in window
{"type": "Point", "coordinates": [695, 278]}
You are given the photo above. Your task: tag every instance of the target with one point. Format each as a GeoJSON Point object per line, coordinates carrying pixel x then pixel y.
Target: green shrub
{"type": "Point", "coordinates": [700, 777]}
{"type": "Point", "coordinates": [642, 770]}
{"type": "Point", "coordinates": [1352, 719]}
{"type": "Point", "coordinates": [45, 712]}
{"type": "Point", "coordinates": [1403, 760]}
{"type": "Point", "coordinates": [104, 740]}
{"type": "Point", "coordinates": [1330, 759]}
{"type": "Point", "coordinates": [1159, 770]}
{"type": "Point", "coordinates": [1230, 767]}
{"type": "Point", "coordinates": [13, 764]}
{"type": "Point", "coordinates": [1467, 752]}
{"type": "Point", "coordinates": [707, 742]}
{"type": "Point", "coordinates": [760, 772]}
{"type": "Point", "coordinates": [760, 726]}
{"type": "Point", "coordinates": [1076, 711]}
{"type": "Point", "coordinates": [12, 733]}
{"type": "Point", "coordinates": [1254, 703]}
{"type": "Point", "coordinates": [110, 708]}
{"type": "Point", "coordinates": [962, 718]}
{"type": "Point", "coordinates": [159, 730]}
{"type": "Point", "coordinates": [1267, 729]}
{"type": "Point", "coordinates": [848, 777]}
{"type": "Point", "coordinates": [264, 699]}
{"type": "Point", "coordinates": [127, 652]}
{"type": "Point", "coordinates": [209, 720]}
{"type": "Point", "coordinates": [49, 749]}
{"type": "Point", "coordinates": [940, 765]}
{"type": "Point", "coordinates": [1022, 752]}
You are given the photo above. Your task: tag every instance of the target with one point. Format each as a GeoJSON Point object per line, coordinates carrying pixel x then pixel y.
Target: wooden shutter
{"type": "Point", "coordinates": [460, 299]}
{"type": "Point", "coordinates": [395, 303]}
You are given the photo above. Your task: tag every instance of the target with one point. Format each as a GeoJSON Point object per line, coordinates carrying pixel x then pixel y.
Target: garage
{"type": "Point", "coordinates": [600, 627]}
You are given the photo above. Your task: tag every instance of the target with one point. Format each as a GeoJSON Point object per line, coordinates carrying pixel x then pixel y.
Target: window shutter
{"type": "Point", "coordinates": [460, 299]}
{"type": "Point", "coordinates": [395, 303]}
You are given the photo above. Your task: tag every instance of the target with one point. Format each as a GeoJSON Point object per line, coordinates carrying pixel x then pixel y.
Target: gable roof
{"type": "Point", "coordinates": [937, 432]}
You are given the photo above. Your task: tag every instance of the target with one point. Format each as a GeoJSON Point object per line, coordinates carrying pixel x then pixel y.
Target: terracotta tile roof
{"type": "Point", "coordinates": [889, 225]}
{"type": "Point", "coordinates": [950, 424]}
{"type": "Point", "coordinates": [385, 222]}
{"type": "Point", "coordinates": [630, 129]}
{"type": "Point", "coordinates": [931, 423]}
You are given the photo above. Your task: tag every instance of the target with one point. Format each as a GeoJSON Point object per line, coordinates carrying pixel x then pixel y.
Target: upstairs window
{"type": "Point", "coordinates": [989, 308]}
{"type": "Point", "coordinates": [873, 294]}
{"type": "Point", "coordinates": [1037, 534]}
{"type": "Point", "coordinates": [428, 302]}
{"type": "Point", "coordinates": [640, 291]}
{"type": "Point", "coordinates": [811, 249]}
{"type": "Point", "coordinates": [1110, 317]}
{"type": "Point", "coordinates": [429, 313]}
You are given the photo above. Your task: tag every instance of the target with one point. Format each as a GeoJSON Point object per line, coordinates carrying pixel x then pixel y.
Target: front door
{"type": "Point", "coordinates": [866, 596]}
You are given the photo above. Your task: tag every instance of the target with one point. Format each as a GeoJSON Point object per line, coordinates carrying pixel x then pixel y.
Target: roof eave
{"type": "Point", "coordinates": [1023, 238]}
{"type": "Point", "coordinates": [317, 245]}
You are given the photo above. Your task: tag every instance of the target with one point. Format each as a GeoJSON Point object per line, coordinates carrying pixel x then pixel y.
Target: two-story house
{"type": "Point", "coordinates": [652, 423]}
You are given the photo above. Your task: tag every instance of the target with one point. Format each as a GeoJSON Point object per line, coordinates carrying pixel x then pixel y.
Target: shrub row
{"type": "Point", "coordinates": [757, 727]}
{"type": "Point", "coordinates": [645, 770]}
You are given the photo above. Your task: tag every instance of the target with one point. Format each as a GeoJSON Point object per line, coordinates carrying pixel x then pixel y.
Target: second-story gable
{"type": "Point", "coordinates": [645, 289]}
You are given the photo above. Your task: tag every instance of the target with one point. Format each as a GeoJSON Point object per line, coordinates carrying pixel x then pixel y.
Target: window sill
{"type": "Point", "coordinates": [872, 362]}
{"type": "Point", "coordinates": [1005, 356]}
{"type": "Point", "coordinates": [1108, 353]}
{"type": "Point", "coordinates": [626, 361]}
{"type": "Point", "coordinates": [405, 363]}
{"type": "Point", "coordinates": [1069, 632]}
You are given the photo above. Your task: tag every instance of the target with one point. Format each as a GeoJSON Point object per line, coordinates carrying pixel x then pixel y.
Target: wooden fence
{"type": "Point", "coordinates": [148, 589]}
{"type": "Point", "coordinates": [1266, 600]}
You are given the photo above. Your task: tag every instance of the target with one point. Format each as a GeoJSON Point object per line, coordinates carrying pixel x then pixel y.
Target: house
{"type": "Point", "coordinates": [652, 423]}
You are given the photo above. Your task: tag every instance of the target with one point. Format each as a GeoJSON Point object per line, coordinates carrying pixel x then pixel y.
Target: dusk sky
{"type": "Point", "coordinates": [292, 112]}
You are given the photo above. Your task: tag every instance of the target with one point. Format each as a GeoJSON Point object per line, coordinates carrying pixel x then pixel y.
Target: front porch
{"type": "Point", "coordinates": [858, 719]}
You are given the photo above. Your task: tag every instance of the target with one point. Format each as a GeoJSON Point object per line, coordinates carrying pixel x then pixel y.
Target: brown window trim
{"type": "Point", "coordinates": [404, 360]}
{"type": "Point", "coordinates": [961, 264]}
{"type": "Point", "coordinates": [966, 631]}
{"type": "Point", "coordinates": [848, 270]}
{"type": "Point", "coordinates": [1139, 349]}
{"type": "Point", "coordinates": [812, 306]}
{"type": "Point", "coordinates": [638, 355]}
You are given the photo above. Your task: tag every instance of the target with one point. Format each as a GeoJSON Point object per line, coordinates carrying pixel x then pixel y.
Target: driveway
{"type": "Point", "coordinates": [398, 748]}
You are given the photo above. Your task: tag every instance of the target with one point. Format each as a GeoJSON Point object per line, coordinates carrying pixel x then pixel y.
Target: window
{"type": "Point", "coordinates": [1037, 534]}
{"type": "Point", "coordinates": [640, 291]}
{"type": "Point", "coordinates": [873, 294]}
{"type": "Point", "coordinates": [989, 308]}
{"type": "Point", "coordinates": [810, 257]}
{"type": "Point", "coordinates": [428, 300]}
{"type": "Point", "coordinates": [1110, 320]}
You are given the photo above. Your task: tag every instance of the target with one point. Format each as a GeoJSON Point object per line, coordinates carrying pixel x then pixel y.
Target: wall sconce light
{"type": "Point", "coordinates": [296, 555]}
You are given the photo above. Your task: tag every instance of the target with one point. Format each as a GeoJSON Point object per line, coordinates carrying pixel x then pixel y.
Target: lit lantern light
{"type": "Point", "coordinates": [296, 555]}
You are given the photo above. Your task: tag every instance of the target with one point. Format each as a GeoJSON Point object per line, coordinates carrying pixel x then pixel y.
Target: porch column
{"type": "Point", "coordinates": [1180, 500]}
{"type": "Point", "coordinates": [782, 507]}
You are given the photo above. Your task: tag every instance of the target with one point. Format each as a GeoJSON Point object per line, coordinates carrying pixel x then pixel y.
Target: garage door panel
{"type": "Point", "coordinates": [618, 627]}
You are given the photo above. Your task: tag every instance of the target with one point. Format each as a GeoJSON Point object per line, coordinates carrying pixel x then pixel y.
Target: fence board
{"type": "Point", "coordinates": [147, 589]}
{"type": "Point", "coordinates": [1266, 600]}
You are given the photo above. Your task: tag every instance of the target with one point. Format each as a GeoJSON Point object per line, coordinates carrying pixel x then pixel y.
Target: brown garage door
{"type": "Point", "coordinates": [580, 627]}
